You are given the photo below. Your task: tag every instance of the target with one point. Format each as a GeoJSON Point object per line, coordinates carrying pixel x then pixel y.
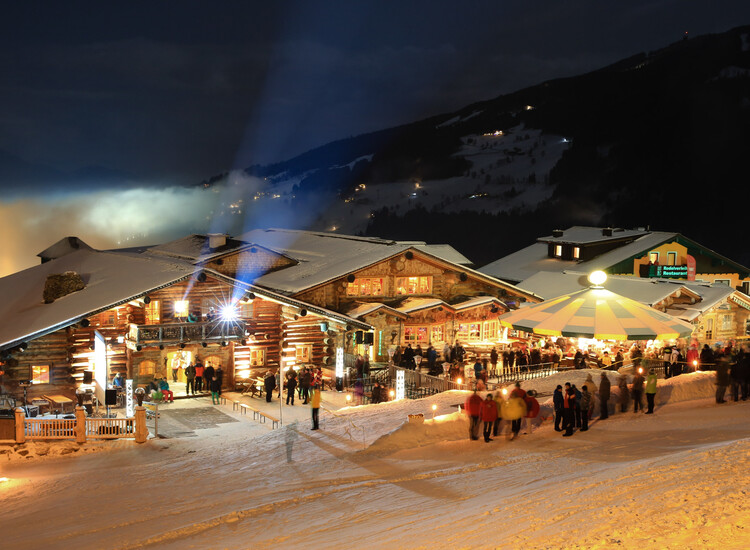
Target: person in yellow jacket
{"type": "Point", "coordinates": [315, 404]}
{"type": "Point", "coordinates": [514, 409]}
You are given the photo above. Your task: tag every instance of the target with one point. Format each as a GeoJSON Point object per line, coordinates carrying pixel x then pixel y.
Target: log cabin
{"type": "Point", "coordinates": [84, 315]}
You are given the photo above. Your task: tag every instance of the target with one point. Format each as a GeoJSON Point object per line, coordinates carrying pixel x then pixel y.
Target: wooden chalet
{"type": "Point", "coordinates": [410, 292]}
{"type": "Point", "coordinates": [84, 315]}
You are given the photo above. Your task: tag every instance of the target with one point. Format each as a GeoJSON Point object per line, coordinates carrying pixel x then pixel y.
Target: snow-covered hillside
{"type": "Point", "coordinates": [509, 170]}
{"type": "Point", "coordinates": [676, 479]}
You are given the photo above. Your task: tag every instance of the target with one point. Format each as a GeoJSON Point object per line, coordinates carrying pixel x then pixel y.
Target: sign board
{"type": "Point", "coordinates": [100, 366]}
{"type": "Point", "coordinates": [690, 268]}
{"type": "Point", "coordinates": [400, 385]}
{"type": "Point", "coordinates": [129, 406]}
{"type": "Point", "coordinates": [669, 271]}
{"type": "Point", "coordinates": [339, 362]}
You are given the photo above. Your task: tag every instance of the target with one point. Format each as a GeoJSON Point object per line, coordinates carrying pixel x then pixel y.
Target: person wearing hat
{"type": "Point", "coordinates": [650, 390]}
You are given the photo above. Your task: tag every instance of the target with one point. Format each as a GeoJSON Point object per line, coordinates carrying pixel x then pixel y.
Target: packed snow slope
{"type": "Point", "coordinates": [675, 479]}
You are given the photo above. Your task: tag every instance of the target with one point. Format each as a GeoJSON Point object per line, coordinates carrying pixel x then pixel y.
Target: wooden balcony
{"type": "Point", "coordinates": [184, 333]}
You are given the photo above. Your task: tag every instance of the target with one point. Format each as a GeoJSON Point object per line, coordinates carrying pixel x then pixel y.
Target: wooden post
{"type": "Point", "coordinates": [80, 424]}
{"type": "Point", "coordinates": [20, 425]}
{"type": "Point", "coordinates": [141, 431]}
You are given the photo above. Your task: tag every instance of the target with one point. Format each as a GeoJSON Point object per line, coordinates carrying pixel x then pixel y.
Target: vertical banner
{"type": "Point", "coordinates": [100, 366]}
{"type": "Point", "coordinates": [339, 362]}
{"type": "Point", "coordinates": [129, 406]}
{"type": "Point", "coordinates": [400, 385]}
{"type": "Point", "coordinates": [690, 268]}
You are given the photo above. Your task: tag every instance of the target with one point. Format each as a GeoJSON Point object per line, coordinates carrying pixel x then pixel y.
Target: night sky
{"type": "Point", "coordinates": [163, 94]}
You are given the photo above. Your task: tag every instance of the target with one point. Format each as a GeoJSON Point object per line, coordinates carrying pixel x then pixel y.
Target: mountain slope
{"type": "Point", "coordinates": [657, 139]}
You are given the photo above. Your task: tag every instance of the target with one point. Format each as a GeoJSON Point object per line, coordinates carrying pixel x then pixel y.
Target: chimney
{"type": "Point", "coordinates": [557, 232]}
{"type": "Point", "coordinates": [216, 240]}
{"type": "Point", "coordinates": [607, 231]}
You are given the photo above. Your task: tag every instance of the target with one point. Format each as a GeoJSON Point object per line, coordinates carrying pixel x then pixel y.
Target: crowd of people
{"type": "Point", "coordinates": [496, 410]}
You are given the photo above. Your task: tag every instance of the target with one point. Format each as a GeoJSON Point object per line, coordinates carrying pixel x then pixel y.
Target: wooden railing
{"type": "Point", "coordinates": [109, 428]}
{"type": "Point", "coordinates": [171, 333]}
{"type": "Point", "coordinates": [50, 428]}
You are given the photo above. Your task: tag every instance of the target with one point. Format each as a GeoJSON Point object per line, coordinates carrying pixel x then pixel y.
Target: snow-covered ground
{"type": "Point", "coordinates": [675, 479]}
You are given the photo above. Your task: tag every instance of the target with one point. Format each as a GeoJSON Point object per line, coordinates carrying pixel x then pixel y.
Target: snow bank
{"type": "Point", "coordinates": [448, 427]}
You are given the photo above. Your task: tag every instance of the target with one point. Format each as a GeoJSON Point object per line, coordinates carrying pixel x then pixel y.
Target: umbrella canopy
{"type": "Point", "coordinates": [596, 313]}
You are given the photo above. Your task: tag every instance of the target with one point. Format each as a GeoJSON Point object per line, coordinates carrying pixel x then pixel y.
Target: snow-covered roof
{"type": "Point", "coordinates": [324, 257]}
{"type": "Point", "coordinates": [579, 234]}
{"type": "Point", "coordinates": [646, 291]}
{"type": "Point", "coordinates": [196, 248]}
{"type": "Point", "coordinates": [446, 252]}
{"type": "Point", "coordinates": [64, 246]}
{"type": "Point", "coordinates": [524, 263]}
{"type": "Point", "coordinates": [418, 304]}
{"type": "Point", "coordinates": [110, 278]}
{"type": "Point", "coordinates": [478, 301]}
{"type": "Point", "coordinates": [365, 309]}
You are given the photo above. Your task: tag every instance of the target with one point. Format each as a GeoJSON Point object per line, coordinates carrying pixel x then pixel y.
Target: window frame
{"type": "Point", "coordinates": [364, 287]}
{"type": "Point", "coordinates": [422, 285]}
{"type": "Point", "coordinates": [43, 367]}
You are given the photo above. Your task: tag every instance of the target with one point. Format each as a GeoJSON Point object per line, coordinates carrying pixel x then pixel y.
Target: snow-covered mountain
{"type": "Point", "coordinates": [646, 141]}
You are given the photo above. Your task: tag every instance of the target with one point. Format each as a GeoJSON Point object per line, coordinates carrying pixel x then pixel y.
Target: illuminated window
{"type": "Point", "coordinates": [181, 308]}
{"type": "Point", "coordinates": [558, 250]}
{"type": "Point", "coordinates": [365, 287]}
{"type": "Point", "coordinates": [303, 353]}
{"type": "Point", "coordinates": [653, 257]}
{"type": "Point", "coordinates": [40, 374]}
{"type": "Point", "coordinates": [147, 368]}
{"type": "Point", "coordinates": [437, 334]}
{"type": "Point", "coordinates": [152, 312]}
{"type": "Point", "coordinates": [709, 329]}
{"type": "Point", "coordinates": [671, 258]}
{"type": "Point", "coordinates": [469, 332]}
{"type": "Point", "coordinates": [414, 285]}
{"type": "Point", "coordinates": [726, 322]}
{"type": "Point", "coordinates": [245, 309]}
{"type": "Point", "coordinates": [257, 357]}
{"type": "Point", "coordinates": [576, 253]}
{"type": "Point", "coordinates": [490, 330]}
{"type": "Point", "coordinates": [416, 335]}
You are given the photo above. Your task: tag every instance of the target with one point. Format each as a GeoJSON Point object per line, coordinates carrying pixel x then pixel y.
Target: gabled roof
{"type": "Point", "coordinates": [64, 246]}
{"type": "Point", "coordinates": [195, 248]}
{"type": "Point", "coordinates": [645, 291]}
{"type": "Point", "coordinates": [111, 279]}
{"type": "Point", "coordinates": [579, 234]}
{"type": "Point", "coordinates": [362, 310]}
{"type": "Point", "coordinates": [324, 257]}
{"type": "Point", "coordinates": [524, 263]}
{"type": "Point", "coordinates": [412, 305]}
{"type": "Point", "coordinates": [479, 301]}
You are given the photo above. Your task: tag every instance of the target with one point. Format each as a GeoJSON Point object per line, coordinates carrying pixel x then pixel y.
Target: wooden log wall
{"type": "Point", "coordinates": [50, 350]}
{"type": "Point", "coordinates": [264, 329]}
{"type": "Point", "coordinates": [301, 331]}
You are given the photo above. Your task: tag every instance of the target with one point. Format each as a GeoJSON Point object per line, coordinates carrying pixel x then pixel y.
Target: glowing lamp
{"type": "Point", "coordinates": [695, 362]}
{"type": "Point", "coordinates": [505, 391]}
{"type": "Point", "coordinates": [348, 398]}
{"type": "Point", "coordinates": [459, 381]}
{"type": "Point", "coordinates": [640, 370]}
{"type": "Point", "coordinates": [391, 393]}
{"type": "Point", "coordinates": [228, 313]}
{"type": "Point", "coordinates": [597, 278]}
{"type": "Point", "coordinates": [434, 407]}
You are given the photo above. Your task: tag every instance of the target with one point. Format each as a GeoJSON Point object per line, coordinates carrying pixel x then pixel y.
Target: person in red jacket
{"type": "Point", "coordinates": [473, 408]}
{"type": "Point", "coordinates": [532, 410]}
{"type": "Point", "coordinates": [518, 392]}
{"type": "Point", "coordinates": [488, 414]}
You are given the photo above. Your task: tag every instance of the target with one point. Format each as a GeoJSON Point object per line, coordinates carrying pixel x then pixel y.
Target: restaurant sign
{"type": "Point", "coordinates": [739, 301]}
{"type": "Point", "coordinates": [668, 271]}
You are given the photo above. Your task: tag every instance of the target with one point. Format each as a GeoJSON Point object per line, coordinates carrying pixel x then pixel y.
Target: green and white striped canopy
{"type": "Point", "coordinates": [596, 313]}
